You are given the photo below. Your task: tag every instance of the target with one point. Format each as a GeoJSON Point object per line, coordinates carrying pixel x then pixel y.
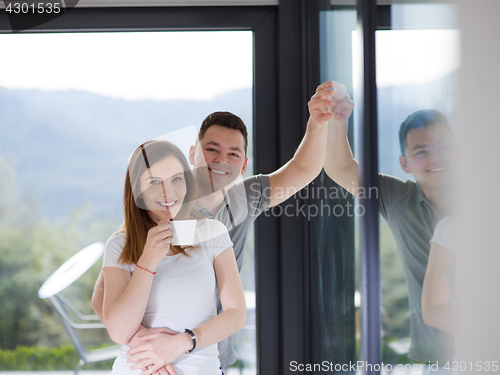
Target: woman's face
{"type": "Point", "coordinates": [163, 188]}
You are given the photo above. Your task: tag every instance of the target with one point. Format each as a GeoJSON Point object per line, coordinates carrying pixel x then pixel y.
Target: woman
{"type": "Point", "coordinates": [438, 291]}
{"type": "Point", "coordinates": [148, 280]}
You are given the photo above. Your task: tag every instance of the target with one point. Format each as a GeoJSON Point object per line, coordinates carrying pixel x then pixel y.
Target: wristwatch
{"type": "Point", "coordinates": [193, 337]}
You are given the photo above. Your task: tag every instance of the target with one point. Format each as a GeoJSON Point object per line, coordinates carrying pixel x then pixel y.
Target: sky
{"type": "Point", "coordinates": [191, 65]}
{"type": "Point", "coordinates": [130, 65]}
{"type": "Point", "coordinates": [416, 56]}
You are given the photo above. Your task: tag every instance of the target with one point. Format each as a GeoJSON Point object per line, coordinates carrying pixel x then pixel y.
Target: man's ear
{"type": "Point", "coordinates": [191, 154]}
{"type": "Point", "coordinates": [244, 166]}
{"type": "Point", "coordinates": [403, 164]}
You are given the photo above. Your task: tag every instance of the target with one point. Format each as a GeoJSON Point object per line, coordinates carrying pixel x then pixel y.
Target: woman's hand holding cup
{"type": "Point", "coordinates": [157, 245]}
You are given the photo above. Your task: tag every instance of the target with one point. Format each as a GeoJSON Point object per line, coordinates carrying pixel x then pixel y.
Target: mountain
{"type": "Point", "coordinates": [69, 149]}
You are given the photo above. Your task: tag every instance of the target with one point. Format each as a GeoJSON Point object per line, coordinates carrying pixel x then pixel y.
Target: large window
{"type": "Point", "coordinates": [308, 279]}
{"type": "Point", "coordinates": [69, 124]}
{"type": "Point", "coordinates": [416, 68]}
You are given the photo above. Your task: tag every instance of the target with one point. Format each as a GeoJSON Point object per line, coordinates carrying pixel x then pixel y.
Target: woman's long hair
{"type": "Point", "coordinates": [137, 220]}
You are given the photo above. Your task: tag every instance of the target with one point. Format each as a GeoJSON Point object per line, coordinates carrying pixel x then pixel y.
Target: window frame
{"type": "Point", "coordinates": [286, 73]}
{"type": "Point", "coordinates": [262, 22]}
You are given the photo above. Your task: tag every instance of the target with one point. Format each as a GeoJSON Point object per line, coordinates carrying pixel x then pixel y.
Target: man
{"type": "Point", "coordinates": [219, 158]}
{"type": "Point", "coordinates": [411, 208]}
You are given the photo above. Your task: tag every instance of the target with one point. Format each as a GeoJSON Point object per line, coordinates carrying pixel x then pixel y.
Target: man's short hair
{"type": "Point", "coordinates": [227, 120]}
{"type": "Point", "coordinates": [417, 120]}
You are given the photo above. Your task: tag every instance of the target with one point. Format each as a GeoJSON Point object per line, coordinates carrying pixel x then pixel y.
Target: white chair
{"type": "Point", "coordinates": [62, 306]}
{"type": "Point", "coordinates": [60, 279]}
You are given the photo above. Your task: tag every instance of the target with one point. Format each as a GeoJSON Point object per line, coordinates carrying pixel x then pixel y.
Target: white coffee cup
{"type": "Point", "coordinates": [183, 232]}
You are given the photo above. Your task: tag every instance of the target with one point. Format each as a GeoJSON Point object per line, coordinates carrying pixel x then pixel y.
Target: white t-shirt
{"type": "Point", "coordinates": [445, 233]}
{"type": "Point", "coordinates": [183, 295]}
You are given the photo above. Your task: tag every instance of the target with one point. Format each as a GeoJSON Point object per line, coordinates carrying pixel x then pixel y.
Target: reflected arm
{"type": "Point", "coordinates": [340, 164]}
{"type": "Point", "coordinates": [436, 310]}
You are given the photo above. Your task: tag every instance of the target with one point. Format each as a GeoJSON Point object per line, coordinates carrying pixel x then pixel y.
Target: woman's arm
{"type": "Point", "coordinates": [126, 296]}
{"type": "Point", "coordinates": [98, 295]}
{"type": "Point", "coordinates": [436, 291]}
{"type": "Point", "coordinates": [161, 349]}
{"type": "Point", "coordinates": [125, 300]}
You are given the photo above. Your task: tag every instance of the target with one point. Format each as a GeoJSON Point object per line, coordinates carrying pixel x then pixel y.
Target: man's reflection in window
{"type": "Point", "coordinates": [412, 208]}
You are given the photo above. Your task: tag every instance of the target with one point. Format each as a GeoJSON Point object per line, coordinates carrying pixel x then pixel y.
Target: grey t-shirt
{"type": "Point", "coordinates": [412, 220]}
{"type": "Point", "coordinates": [243, 203]}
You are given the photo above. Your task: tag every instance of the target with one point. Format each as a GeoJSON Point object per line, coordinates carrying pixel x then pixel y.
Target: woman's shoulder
{"type": "Point", "coordinates": [113, 250]}
{"type": "Point", "coordinates": [116, 239]}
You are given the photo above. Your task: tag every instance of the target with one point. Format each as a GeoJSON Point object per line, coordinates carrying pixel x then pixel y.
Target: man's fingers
{"type": "Point", "coordinates": [325, 85]}
{"type": "Point", "coordinates": [142, 364]}
{"type": "Point", "coordinates": [322, 94]}
{"type": "Point", "coordinates": [334, 90]}
{"type": "Point", "coordinates": [139, 358]}
{"type": "Point", "coordinates": [166, 370]}
{"type": "Point", "coordinates": [320, 103]}
{"type": "Point", "coordinates": [327, 116]}
{"type": "Point", "coordinates": [150, 370]}
{"type": "Point", "coordinates": [320, 110]}
{"type": "Point", "coordinates": [330, 101]}
{"type": "Point", "coordinates": [339, 92]}
{"type": "Point", "coordinates": [169, 370]}
{"type": "Point", "coordinates": [343, 105]}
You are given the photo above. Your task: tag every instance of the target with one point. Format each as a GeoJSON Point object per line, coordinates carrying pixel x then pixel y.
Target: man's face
{"type": "Point", "coordinates": [428, 155]}
{"type": "Point", "coordinates": [219, 157]}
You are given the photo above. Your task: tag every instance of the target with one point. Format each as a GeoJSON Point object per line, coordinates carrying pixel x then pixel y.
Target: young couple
{"type": "Point", "coordinates": [159, 299]}
{"type": "Point", "coordinates": [166, 324]}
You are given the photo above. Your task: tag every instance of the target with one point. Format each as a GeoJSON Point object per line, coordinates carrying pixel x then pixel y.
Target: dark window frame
{"type": "Point", "coordinates": [262, 22]}
{"type": "Point", "coordinates": [286, 73]}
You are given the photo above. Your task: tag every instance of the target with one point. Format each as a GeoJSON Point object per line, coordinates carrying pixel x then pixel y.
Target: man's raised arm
{"type": "Point", "coordinates": [308, 160]}
{"type": "Point", "coordinates": [340, 164]}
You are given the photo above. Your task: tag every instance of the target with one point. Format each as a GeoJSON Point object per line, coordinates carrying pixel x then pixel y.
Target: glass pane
{"type": "Point", "coordinates": [72, 109]}
{"type": "Point", "coordinates": [417, 64]}
{"type": "Point", "coordinates": [334, 313]}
